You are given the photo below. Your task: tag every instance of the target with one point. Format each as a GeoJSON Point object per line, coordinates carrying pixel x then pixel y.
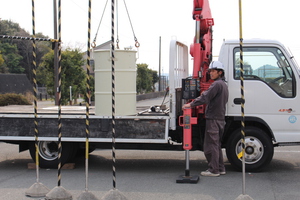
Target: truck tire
{"type": "Point", "coordinates": [48, 153]}
{"type": "Point", "coordinates": [259, 149]}
{"type": "Point", "coordinates": [81, 151]}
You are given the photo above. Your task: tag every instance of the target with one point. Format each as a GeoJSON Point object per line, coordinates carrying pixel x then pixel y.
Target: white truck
{"type": "Point", "coordinates": [272, 108]}
{"type": "Point", "coordinates": [272, 112]}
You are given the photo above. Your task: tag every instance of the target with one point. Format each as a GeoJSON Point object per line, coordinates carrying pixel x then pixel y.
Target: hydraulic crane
{"type": "Point", "coordinates": [201, 51]}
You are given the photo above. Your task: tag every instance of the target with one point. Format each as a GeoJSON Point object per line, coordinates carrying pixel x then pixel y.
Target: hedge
{"type": "Point", "coordinates": [13, 99]}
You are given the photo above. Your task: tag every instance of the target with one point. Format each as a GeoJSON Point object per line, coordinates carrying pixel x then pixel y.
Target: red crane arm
{"type": "Point", "coordinates": [201, 49]}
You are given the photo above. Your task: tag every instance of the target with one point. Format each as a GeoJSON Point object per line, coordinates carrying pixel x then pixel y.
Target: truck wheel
{"type": "Point", "coordinates": [48, 153]}
{"type": "Point", "coordinates": [81, 151]}
{"type": "Point", "coordinates": [259, 149]}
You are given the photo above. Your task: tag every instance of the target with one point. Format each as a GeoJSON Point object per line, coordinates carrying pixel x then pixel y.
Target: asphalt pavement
{"type": "Point", "coordinates": [151, 175]}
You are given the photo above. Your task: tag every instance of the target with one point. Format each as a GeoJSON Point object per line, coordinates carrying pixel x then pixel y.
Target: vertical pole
{"type": "Point", "coordinates": [113, 90]}
{"type": "Point", "coordinates": [187, 162]}
{"type": "Point", "coordinates": [59, 191]}
{"type": "Point", "coordinates": [242, 96]}
{"type": "Point", "coordinates": [70, 93]}
{"type": "Point", "coordinates": [55, 52]}
{"type": "Point", "coordinates": [36, 132]}
{"type": "Point", "coordinates": [59, 95]}
{"type": "Point", "coordinates": [87, 127]}
{"type": "Point", "coordinates": [159, 66]}
{"type": "Point", "coordinates": [37, 189]}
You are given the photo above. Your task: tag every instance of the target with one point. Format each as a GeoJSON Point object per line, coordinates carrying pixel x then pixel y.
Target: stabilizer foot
{"type": "Point", "coordinates": [187, 179]}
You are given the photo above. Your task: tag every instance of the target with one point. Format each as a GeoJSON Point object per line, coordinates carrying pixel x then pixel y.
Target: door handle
{"type": "Point", "coordinates": [238, 101]}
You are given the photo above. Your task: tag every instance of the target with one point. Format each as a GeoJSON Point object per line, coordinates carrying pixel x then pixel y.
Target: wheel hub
{"type": "Point", "coordinates": [48, 150]}
{"type": "Point", "coordinates": [254, 149]}
{"type": "Point", "coordinates": [249, 150]}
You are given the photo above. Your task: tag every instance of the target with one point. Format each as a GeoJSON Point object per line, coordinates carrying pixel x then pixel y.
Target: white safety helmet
{"type": "Point", "coordinates": [216, 65]}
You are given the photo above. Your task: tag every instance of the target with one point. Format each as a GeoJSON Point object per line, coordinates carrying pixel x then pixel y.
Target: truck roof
{"type": "Point", "coordinates": [253, 41]}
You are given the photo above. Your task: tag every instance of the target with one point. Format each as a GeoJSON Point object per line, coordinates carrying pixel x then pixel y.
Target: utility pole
{"type": "Point", "coordinates": [55, 53]}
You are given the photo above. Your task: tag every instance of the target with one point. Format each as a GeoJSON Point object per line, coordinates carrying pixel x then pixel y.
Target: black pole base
{"type": "Point", "coordinates": [187, 179]}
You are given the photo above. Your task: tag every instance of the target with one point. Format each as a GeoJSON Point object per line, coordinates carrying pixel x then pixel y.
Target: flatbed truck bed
{"type": "Point", "coordinates": [146, 126]}
{"type": "Point", "coordinates": [147, 130]}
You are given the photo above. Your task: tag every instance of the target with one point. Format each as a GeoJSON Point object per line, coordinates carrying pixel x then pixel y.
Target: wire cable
{"type": "Point", "coordinates": [94, 41]}
{"type": "Point", "coordinates": [137, 44]}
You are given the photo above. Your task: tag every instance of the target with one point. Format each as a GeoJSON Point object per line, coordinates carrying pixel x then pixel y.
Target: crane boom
{"type": "Point", "coordinates": [201, 49]}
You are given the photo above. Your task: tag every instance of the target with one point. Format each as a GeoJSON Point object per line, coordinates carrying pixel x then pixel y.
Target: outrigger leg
{"type": "Point", "coordinates": [187, 178]}
{"type": "Point", "coordinates": [188, 120]}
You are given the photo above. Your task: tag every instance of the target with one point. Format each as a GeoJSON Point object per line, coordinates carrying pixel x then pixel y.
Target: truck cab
{"type": "Point", "coordinates": [271, 93]}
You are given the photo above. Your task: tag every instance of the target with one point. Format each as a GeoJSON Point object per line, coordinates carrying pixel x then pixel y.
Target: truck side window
{"type": "Point", "coordinates": [269, 65]}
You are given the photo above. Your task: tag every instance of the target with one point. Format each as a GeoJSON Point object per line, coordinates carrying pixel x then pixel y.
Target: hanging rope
{"type": "Point", "coordinates": [113, 90]}
{"type": "Point", "coordinates": [137, 44]}
{"type": "Point", "coordinates": [59, 95]}
{"type": "Point", "coordinates": [94, 41]}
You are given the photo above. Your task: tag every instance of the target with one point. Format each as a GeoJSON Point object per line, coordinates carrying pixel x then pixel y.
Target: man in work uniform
{"type": "Point", "coordinates": [216, 97]}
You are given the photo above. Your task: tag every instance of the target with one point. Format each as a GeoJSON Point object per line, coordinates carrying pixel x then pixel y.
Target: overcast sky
{"type": "Point", "coordinates": [267, 19]}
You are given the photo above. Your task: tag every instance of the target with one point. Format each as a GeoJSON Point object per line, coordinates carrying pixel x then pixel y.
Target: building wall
{"type": "Point", "coordinates": [15, 83]}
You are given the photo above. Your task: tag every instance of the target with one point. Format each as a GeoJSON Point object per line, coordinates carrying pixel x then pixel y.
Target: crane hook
{"type": "Point", "coordinates": [137, 44]}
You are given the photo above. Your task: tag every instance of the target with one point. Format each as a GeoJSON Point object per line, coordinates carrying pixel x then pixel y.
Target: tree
{"type": "Point", "coordinates": [72, 74]}
{"type": "Point", "coordinates": [1, 59]}
{"type": "Point", "coordinates": [146, 78]}
{"type": "Point", "coordinates": [41, 75]}
{"type": "Point", "coordinates": [25, 49]}
{"type": "Point", "coordinates": [155, 79]}
{"type": "Point", "coordinates": [9, 48]}
{"type": "Point", "coordinates": [8, 27]}
{"type": "Point", "coordinates": [3, 68]}
{"type": "Point", "coordinates": [17, 54]}
{"type": "Point", "coordinates": [11, 59]}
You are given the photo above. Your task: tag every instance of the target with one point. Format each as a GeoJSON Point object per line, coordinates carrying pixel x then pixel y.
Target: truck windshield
{"type": "Point", "coordinates": [269, 65]}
